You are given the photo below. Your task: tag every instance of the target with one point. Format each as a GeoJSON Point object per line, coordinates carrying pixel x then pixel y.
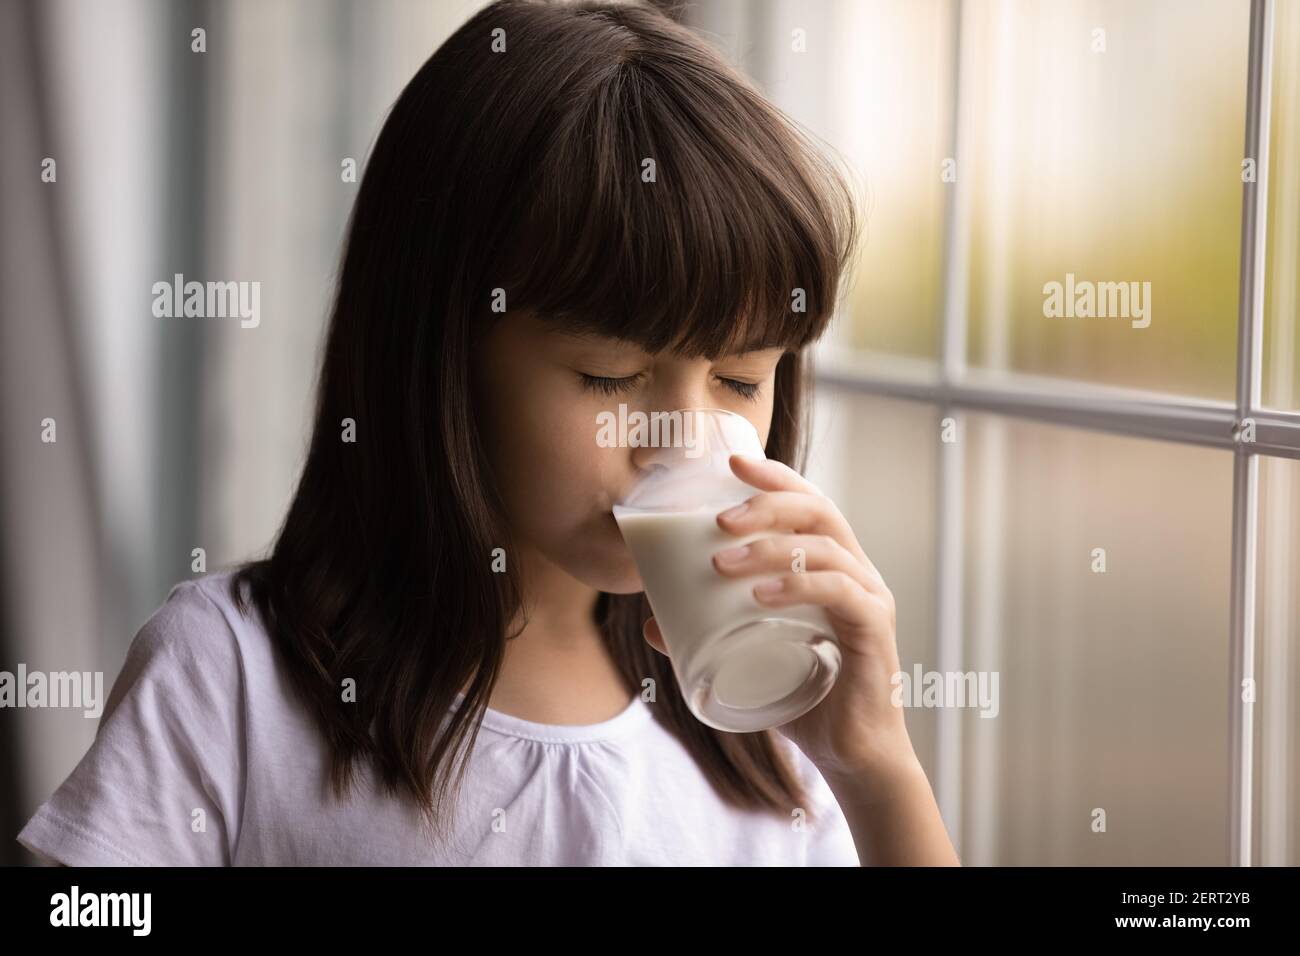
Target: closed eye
{"type": "Point", "coordinates": [609, 386]}
{"type": "Point", "coordinates": [747, 390]}
{"type": "Point", "coordinates": [613, 386]}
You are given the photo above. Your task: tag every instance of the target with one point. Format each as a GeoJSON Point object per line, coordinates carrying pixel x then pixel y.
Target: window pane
{"type": "Point", "coordinates": [1282, 287]}
{"type": "Point", "coordinates": [874, 82]}
{"type": "Point", "coordinates": [1106, 148]}
{"type": "Point", "coordinates": [1097, 585]}
{"type": "Point", "coordinates": [875, 458]}
{"type": "Point", "coordinates": [1277, 667]}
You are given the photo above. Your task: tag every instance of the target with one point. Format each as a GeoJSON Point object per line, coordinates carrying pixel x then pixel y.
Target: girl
{"type": "Point", "coordinates": [441, 661]}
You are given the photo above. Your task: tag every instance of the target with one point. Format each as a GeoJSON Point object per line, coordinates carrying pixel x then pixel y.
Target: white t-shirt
{"type": "Point", "coordinates": [204, 756]}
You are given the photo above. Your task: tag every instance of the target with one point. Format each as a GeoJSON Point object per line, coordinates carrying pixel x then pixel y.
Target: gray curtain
{"type": "Point", "coordinates": [171, 434]}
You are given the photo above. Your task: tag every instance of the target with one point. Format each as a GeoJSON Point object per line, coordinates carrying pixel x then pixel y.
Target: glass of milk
{"type": "Point", "coordinates": [742, 667]}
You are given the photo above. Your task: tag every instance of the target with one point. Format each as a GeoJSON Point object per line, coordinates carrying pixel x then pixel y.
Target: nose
{"type": "Point", "coordinates": [647, 459]}
{"type": "Point", "coordinates": [679, 383]}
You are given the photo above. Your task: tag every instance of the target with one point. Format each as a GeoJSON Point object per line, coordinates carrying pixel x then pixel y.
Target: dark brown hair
{"type": "Point", "coordinates": [523, 169]}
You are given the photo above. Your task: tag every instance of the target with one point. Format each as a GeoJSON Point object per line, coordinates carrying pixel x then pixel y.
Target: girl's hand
{"type": "Point", "coordinates": [856, 728]}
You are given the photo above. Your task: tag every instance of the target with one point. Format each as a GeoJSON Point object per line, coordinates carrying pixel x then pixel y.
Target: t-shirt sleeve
{"type": "Point", "coordinates": [163, 781]}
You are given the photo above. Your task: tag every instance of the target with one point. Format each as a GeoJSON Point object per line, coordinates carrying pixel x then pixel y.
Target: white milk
{"type": "Point", "coordinates": [695, 605]}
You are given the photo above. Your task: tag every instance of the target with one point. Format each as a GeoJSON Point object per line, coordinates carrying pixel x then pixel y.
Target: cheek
{"type": "Point", "coordinates": [762, 419]}
{"type": "Point", "coordinates": [549, 472]}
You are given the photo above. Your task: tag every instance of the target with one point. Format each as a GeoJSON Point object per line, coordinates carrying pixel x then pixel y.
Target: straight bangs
{"type": "Point", "coordinates": [679, 210]}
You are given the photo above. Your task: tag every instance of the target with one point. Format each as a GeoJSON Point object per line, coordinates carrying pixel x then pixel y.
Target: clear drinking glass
{"type": "Point", "coordinates": [742, 667]}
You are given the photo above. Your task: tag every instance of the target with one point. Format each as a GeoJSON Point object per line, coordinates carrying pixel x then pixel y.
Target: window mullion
{"type": "Point", "coordinates": [1245, 485]}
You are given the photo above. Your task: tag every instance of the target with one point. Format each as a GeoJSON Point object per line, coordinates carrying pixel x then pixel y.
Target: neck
{"type": "Point", "coordinates": [558, 609]}
{"type": "Point", "coordinates": [558, 669]}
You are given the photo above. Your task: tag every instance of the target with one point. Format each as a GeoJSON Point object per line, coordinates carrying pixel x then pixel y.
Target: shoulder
{"type": "Point", "coordinates": [202, 606]}
{"type": "Point", "coordinates": [197, 621]}
{"type": "Point", "coordinates": [815, 787]}
{"type": "Point", "coordinates": [191, 644]}
{"type": "Point", "coordinates": [830, 841]}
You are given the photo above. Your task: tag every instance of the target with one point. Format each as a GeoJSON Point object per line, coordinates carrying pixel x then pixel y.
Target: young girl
{"type": "Point", "coordinates": [442, 660]}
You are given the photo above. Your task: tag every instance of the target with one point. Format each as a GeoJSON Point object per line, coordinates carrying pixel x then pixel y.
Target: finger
{"type": "Point", "coordinates": [776, 554]}
{"type": "Point", "coordinates": [841, 596]}
{"type": "Point", "coordinates": [653, 636]}
{"type": "Point", "coordinates": [794, 511]}
{"type": "Point", "coordinates": [784, 510]}
{"type": "Point", "coordinates": [770, 474]}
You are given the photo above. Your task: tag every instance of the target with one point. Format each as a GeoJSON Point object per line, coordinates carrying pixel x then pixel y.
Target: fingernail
{"type": "Point", "coordinates": [733, 554]}
{"type": "Point", "coordinates": [768, 588]}
{"type": "Point", "coordinates": [736, 512]}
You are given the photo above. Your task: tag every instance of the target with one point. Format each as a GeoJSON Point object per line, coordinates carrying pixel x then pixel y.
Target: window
{"type": "Point", "coordinates": [1112, 525]}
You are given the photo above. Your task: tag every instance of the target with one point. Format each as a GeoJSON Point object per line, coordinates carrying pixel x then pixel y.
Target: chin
{"type": "Point", "coordinates": [614, 574]}
{"type": "Point", "coordinates": [608, 566]}
{"type": "Point", "coordinates": [625, 586]}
